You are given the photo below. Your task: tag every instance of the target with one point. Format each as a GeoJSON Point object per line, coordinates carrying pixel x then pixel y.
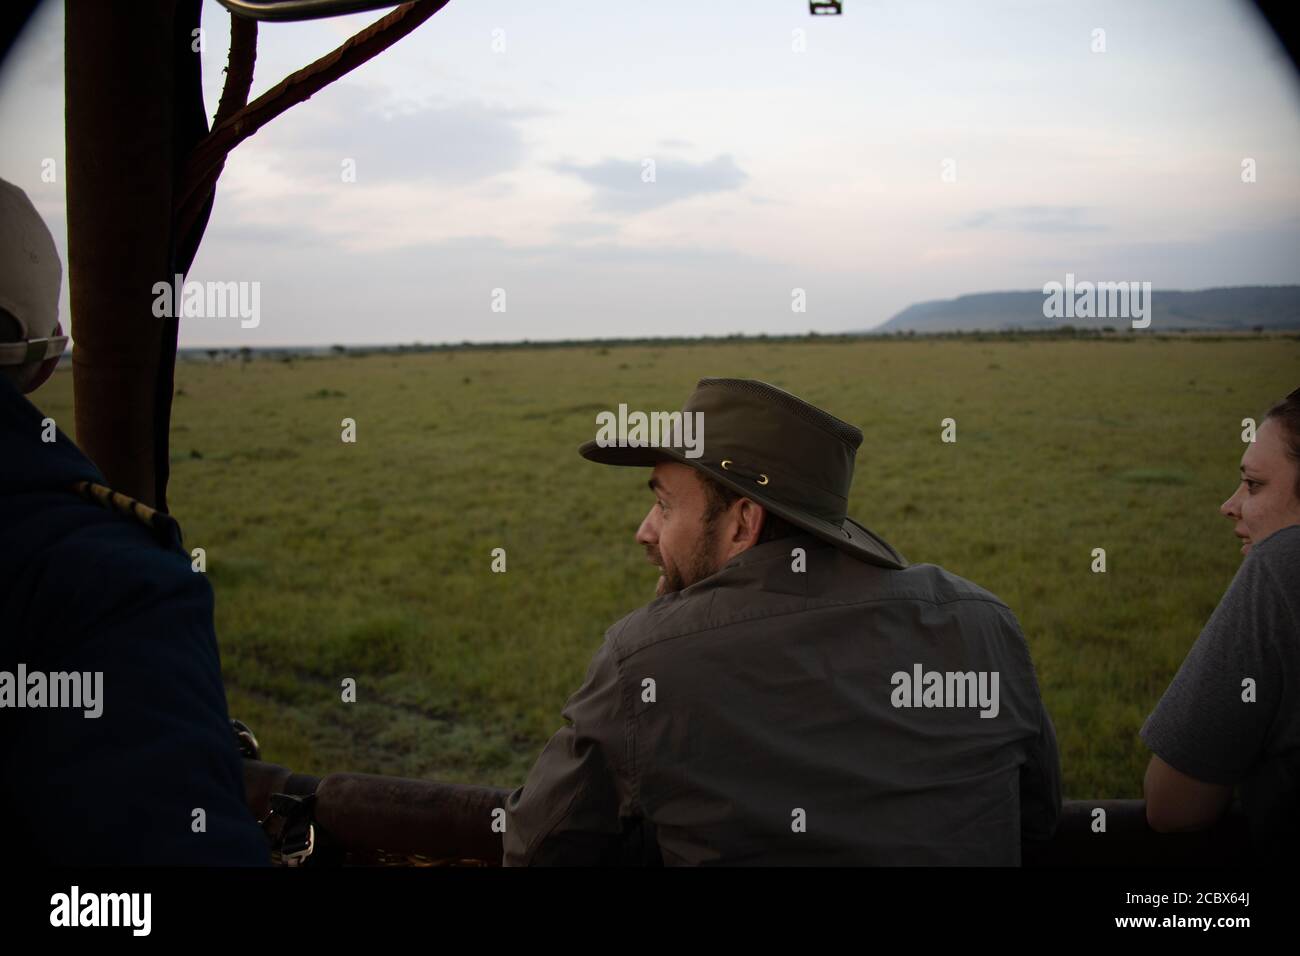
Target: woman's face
{"type": "Point", "coordinates": [1265, 501]}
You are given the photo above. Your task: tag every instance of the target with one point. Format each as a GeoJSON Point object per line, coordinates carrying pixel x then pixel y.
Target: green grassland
{"type": "Point", "coordinates": [373, 560]}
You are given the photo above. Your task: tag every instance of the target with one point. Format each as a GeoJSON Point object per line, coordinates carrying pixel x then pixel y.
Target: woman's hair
{"type": "Point", "coordinates": [1287, 414]}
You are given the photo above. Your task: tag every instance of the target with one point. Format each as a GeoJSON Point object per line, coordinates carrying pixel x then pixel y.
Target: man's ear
{"type": "Point", "coordinates": [749, 522]}
{"type": "Point", "coordinates": [43, 371]}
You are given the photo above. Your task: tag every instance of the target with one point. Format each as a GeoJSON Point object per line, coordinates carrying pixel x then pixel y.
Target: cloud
{"type": "Point", "coordinates": [587, 229]}
{"type": "Point", "coordinates": [1032, 219]}
{"type": "Point", "coordinates": [265, 234]}
{"type": "Point", "coordinates": [619, 186]}
{"type": "Point", "coordinates": [452, 143]}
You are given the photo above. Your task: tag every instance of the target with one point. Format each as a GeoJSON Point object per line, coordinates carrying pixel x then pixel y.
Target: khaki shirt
{"type": "Point", "coordinates": [756, 717]}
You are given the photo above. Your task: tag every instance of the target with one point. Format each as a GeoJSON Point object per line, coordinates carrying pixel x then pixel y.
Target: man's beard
{"type": "Point", "coordinates": [699, 565]}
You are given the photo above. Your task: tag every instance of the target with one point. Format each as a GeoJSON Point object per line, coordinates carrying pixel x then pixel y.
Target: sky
{"type": "Point", "coordinates": [906, 151]}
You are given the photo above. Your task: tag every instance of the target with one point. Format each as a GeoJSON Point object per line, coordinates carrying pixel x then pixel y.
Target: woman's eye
{"type": "Point", "coordinates": [1250, 484]}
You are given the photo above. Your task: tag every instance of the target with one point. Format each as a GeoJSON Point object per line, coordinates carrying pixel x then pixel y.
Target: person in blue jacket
{"type": "Point", "coordinates": [115, 742]}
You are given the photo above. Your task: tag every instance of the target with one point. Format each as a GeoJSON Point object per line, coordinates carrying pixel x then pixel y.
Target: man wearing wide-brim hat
{"type": "Point", "coordinates": [796, 693]}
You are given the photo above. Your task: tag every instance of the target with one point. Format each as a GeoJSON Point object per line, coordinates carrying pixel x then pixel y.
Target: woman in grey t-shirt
{"type": "Point", "coordinates": [1231, 717]}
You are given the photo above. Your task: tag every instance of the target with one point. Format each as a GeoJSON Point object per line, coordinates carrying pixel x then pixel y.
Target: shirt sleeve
{"type": "Point", "coordinates": [575, 808]}
{"type": "Point", "coordinates": [1040, 784]}
{"type": "Point", "coordinates": [1040, 774]}
{"type": "Point", "coordinates": [1206, 725]}
{"type": "Point", "coordinates": [122, 783]}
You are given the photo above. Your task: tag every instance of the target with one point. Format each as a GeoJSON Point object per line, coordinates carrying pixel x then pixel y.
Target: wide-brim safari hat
{"type": "Point", "coordinates": [774, 448]}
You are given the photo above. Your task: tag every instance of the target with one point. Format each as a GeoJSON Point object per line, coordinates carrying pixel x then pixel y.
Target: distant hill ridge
{"type": "Point", "coordinates": [1241, 308]}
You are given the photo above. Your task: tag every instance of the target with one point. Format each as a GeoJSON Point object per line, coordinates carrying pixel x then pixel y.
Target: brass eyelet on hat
{"type": "Point", "coordinates": [762, 479]}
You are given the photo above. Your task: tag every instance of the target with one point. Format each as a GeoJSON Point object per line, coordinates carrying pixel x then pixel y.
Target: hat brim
{"type": "Point", "coordinates": [855, 538]}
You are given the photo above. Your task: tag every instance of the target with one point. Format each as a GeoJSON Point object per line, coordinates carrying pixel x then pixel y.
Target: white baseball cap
{"type": "Point", "coordinates": [30, 279]}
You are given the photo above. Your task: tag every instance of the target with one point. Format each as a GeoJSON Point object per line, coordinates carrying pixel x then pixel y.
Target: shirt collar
{"type": "Point", "coordinates": [28, 462]}
{"type": "Point", "coordinates": [779, 548]}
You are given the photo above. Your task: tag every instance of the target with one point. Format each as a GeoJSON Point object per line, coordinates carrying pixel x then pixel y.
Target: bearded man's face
{"type": "Point", "coordinates": [680, 534]}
